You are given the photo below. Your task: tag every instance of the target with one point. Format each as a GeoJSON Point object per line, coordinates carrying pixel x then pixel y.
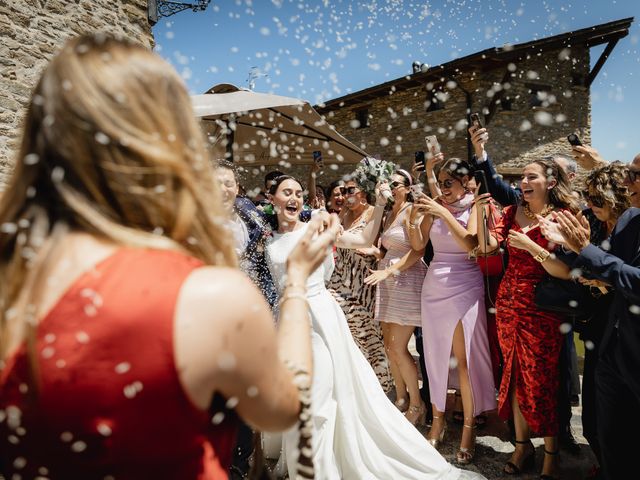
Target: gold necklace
{"type": "Point", "coordinates": [546, 210]}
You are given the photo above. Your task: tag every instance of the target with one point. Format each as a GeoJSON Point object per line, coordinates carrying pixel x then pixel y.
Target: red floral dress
{"type": "Point", "coordinates": [530, 338]}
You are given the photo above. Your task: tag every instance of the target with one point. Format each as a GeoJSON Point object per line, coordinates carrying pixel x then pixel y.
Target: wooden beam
{"type": "Point", "coordinates": [603, 58]}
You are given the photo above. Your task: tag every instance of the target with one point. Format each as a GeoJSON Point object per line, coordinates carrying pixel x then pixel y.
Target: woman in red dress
{"type": "Point", "coordinates": [530, 338]}
{"type": "Point", "coordinates": [127, 337]}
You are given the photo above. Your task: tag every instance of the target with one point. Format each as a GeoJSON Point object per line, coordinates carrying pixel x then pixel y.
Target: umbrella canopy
{"type": "Point", "coordinates": [264, 129]}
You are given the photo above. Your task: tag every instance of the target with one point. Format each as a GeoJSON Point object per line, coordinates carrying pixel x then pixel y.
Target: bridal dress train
{"type": "Point", "coordinates": [358, 433]}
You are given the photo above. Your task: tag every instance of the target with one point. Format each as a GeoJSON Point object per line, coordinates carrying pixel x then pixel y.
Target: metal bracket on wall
{"type": "Point", "coordinates": [159, 8]}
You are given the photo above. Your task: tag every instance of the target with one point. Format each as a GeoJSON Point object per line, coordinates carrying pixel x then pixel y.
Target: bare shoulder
{"type": "Point", "coordinates": [217, 307]}
{"type": "Point", "coordinates": [226, 291]}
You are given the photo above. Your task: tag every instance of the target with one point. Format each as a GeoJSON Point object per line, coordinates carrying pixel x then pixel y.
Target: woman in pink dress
{"type": "Point", "coordinates": [453, 313]}
{"type": "Point", "coordinates": [399, 278]}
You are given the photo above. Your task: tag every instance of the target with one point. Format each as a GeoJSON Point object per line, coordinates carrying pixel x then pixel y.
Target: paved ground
{"type": "Point", "coordinates": [493, 448]}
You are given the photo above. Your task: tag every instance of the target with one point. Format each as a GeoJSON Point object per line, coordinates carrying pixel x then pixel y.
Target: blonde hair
{"type": "Point", "coordinates": [110, 147]}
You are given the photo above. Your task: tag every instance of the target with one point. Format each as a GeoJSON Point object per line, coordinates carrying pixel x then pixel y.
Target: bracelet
{"type": "Point", "coordinates": [291, 296]}
{"type": "Point", "coordinates": [302, 380]}
{"type": "Point", "coordinates": [542, 255]}
{"type": "Point", "coordinates": [302, 286]}
{"type": "Point", "coordinates": [412, 225]}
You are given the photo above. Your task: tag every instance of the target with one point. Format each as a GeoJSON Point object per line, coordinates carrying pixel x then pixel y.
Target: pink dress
{"type": "Point", "coordinates": [453, 290]}
{"type": "Point", "coordinates": [398, 297]}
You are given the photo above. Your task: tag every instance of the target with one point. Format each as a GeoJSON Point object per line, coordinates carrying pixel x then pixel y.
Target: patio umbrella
{"type": "Point", "coordinates": [265, 129]}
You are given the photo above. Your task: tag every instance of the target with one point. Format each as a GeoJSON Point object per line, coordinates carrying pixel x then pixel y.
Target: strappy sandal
{"type": "Point", "coordinates": [545, 476]}
{"type": "Point", "coordinates": [435, 442]}
{"type": "Point", "coordinates": [416, 414]}
{"type": "Point", "coordinates": [464, 456]}
{"type": "Point", "coordinates": [527, 462]}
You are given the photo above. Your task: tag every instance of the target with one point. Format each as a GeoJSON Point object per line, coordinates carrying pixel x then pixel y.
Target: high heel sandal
{"type": "Point", "coordinates": [527, 461]}
{"type": "Point", "coordinates": [545, 476]}
{"type": "Point", "coordinates": [419, 412]}
{"type": "Point", "coordinates": [435, 442]}
{"type": "Point", "coordinates": [465, 455]}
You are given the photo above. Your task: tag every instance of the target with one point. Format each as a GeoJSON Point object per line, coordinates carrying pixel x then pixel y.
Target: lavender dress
{"type": "Point", "coordinates": [453, 290]}
{"type": "Point", "coordinates": [398, 297]}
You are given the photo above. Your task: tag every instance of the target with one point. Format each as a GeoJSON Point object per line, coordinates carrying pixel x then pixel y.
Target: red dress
{"type": "Point", "coordinates": [110, 404]}
{"type": "Point", "coordinates": [530, 339]}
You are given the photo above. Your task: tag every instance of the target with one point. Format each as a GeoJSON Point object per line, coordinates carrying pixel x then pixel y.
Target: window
{"type": "Point", "coordinates": [539, 95]}
{"type": "Point", "coordinates": [362, 117]}
{"type": "Point", "coordinates": [506, 104]}
{"type": "Point", "coordinates": [435, 100]}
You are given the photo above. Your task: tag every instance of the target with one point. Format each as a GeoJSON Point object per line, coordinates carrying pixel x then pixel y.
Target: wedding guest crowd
{"type": "Point", "coordinates": [138, 283]}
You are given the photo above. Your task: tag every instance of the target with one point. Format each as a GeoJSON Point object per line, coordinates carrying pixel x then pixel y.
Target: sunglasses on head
{"type": "Point", "coordinates": [632, 174]}
{"type": "Point", "coordinates": [351, 190]}
{"type": "Point", "coordinates": [448, 183]}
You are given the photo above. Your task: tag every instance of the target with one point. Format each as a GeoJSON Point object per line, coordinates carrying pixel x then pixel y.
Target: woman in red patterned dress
{"type": "Point", "coordinates": [530, 338]}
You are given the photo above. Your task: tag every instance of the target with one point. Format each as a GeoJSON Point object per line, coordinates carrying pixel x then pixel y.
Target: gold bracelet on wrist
{"type": "Point", "coordinates": [292, 296]}
{"type": "Point", "coordinates": [542, 256]}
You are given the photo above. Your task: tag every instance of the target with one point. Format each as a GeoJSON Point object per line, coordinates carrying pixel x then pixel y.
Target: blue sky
{"type": "Point", "coordinates": [323, 49]}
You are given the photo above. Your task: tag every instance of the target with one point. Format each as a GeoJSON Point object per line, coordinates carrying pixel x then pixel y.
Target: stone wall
{"type": "Point", "coordinates": [399, 122]}
{"type": "Point", "coordinates": [31, 31]}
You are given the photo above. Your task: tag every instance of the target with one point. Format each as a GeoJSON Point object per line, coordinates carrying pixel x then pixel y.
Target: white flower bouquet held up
{"type": "Point", "coordinates": [371, 171]}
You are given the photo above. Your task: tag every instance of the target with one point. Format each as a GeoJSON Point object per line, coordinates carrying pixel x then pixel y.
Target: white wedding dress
{"type": "Point", "coordinates": [358, 433]}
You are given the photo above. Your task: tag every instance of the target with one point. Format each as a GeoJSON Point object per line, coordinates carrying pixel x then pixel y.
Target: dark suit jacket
{"type": "Point", "coordinates": [500, 190]}
{"type": "Point", "coordinates": [620, 267]}
{"type": "Point", "coordinates": [253, 261]}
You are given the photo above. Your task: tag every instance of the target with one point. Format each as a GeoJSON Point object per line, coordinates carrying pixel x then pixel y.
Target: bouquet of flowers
{"type": "Point", "coordinates": [370, 171]}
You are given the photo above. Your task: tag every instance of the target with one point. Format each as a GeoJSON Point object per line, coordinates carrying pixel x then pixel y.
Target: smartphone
{"type": "Point", "coordinates": [476, 123]}
{"type": "Point", "coordinates": [416, 189]}
{"type": "Point", "coordinates": [317, 157]}
{"type": "Point", "coordinates": [481, 179]}
{"type": "Point", "coordinates": [432, 142]}
{"type": "Point", "coordinates": [574, 140]}
{"type": "Point", "coordinates": [419, 161]}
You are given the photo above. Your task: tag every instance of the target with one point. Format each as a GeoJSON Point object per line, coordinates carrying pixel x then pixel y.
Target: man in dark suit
{"type": "Point", "coordinates": [618, 370]}
{"type": "Point", "coordinates": [250, 230]}
{"type": "Point", "coordinates": [505, 195]}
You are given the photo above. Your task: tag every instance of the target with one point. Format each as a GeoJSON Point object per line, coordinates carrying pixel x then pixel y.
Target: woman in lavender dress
{"type": "Point", "coordinates": [453, 313]}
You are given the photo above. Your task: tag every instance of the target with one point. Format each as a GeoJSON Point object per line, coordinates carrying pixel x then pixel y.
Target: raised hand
{"type": "Point", "coordinates": [313, 247]}
{"type": "Point", "coordinates": [383, 193]}
{"type": "Point", "coordinates": [430, 207]}
{"type": "Point", "coordinates": [574, 229]}
{"type": "Point", "coordinates": [550, 229]}
{"type": "Point", "coordinates": [520, 240]}
{"type": "Point", "coordinates": [587, 157]}
{"type": "Point", "coordinates": [377, 276]}
{"type": "Point", "coordinates": [479, 138]}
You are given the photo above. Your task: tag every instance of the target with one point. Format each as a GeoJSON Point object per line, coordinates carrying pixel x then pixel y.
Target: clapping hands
{"type": "Point", "coordinates": [570, 231]}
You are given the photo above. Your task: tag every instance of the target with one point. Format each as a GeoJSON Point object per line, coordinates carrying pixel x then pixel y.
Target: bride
{"type": "Point", "coordinates": [357, 432]}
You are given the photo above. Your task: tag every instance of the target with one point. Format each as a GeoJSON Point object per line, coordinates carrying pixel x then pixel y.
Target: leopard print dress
{"type": "Point", "coordinates": [357, 301]}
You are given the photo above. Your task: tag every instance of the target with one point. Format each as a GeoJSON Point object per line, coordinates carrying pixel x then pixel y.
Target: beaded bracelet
{"type": "Point", "coordinates": [302, 380]}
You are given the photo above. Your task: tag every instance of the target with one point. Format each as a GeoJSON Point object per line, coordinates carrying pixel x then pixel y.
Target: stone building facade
{"type": "Point", "coordinates": [31, 31]}
{"type": "Point", "coordinates": [530, 96]}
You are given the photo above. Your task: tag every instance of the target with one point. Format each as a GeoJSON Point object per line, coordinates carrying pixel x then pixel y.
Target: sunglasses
{"type": "Point", "coordinates": [448, 183]}
{"type": "Point", "coordinates": [351, 190]}
{"type": "Point", "coordinates": [632, 174]}
{"type": "Point", "coordinates": [394, 185]}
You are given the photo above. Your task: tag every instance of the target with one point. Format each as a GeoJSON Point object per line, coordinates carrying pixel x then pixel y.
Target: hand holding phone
{"type": "Point", "coordinates": [574, 140]}
{"type": "Point", "coordinates": [317, 157]}
{"type": "Point", "coordinates": [476, 123]}
{"type": "Point", "coordinates": [433, 147]}
{"type": "Point", "coordinates": [419, 161]}
{"type": "Point", "coordinates": [481, 180]}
